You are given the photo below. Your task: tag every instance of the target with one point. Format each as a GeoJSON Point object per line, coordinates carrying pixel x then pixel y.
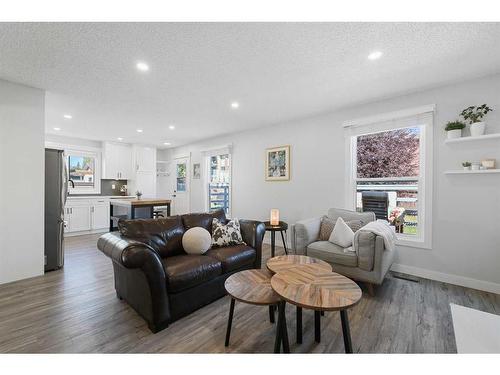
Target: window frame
{"type": "Point", "coordinates": [97, 170]}
{"type": "Point", "coordinates": [207, 154]}
{"type": "Point", "coordinates": [388, 122]}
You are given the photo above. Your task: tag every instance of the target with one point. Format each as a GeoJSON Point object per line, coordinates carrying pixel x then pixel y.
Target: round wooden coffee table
{"type": "Point", "coordinates": [319, 290]}
{"type": "Point", "coordinates": [253, 287]}
{"type": "Point", "coordinates": [285, 262]}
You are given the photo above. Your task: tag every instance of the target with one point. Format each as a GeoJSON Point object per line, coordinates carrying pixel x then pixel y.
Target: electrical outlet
{"type": "Point", "coordinates": [113, 187]}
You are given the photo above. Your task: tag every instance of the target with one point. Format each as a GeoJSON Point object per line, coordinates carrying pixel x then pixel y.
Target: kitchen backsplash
{"type": "Point", "coordinates": [106, 187]}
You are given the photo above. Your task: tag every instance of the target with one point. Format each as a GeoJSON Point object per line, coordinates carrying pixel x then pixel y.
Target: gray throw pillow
{"type": "Point", "coordinates": [327, 225]}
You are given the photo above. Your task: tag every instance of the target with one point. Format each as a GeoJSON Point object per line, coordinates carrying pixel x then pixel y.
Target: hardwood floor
{"type": "Point", "coordinates": [76, 310]}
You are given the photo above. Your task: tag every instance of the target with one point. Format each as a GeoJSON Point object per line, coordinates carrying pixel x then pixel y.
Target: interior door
{"type": "Point", "coordinates": [180, 186]}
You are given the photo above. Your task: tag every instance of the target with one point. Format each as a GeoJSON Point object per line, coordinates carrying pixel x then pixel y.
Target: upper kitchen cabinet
{"type": "Point", "coordinates": [117, 161]}
{"type": "Point", "coordinates": [144, 158]}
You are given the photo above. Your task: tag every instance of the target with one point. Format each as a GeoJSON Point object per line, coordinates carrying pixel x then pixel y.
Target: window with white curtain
{"type": "Point", "coordinates": [390, 171]}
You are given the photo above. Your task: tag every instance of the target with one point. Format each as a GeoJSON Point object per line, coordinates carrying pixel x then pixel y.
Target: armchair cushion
{"type": "Point", "coordinates": [186, 271]}
{"type": "Point", "coordinates": [329, 252]}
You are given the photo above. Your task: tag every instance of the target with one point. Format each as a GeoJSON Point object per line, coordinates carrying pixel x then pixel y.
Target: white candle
{"type": "Point", "coordinates": [275, 216]}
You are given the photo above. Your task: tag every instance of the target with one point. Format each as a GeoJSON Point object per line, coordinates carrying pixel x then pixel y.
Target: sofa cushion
{"type": "Point", "coordinates": [186, 271]}
{"type": "Point", "coordinates": [233, 257]}
{"type": "Point", "coordinates": [332, 253]}
{"type": "Point", "coordinates": [163, 234]}
{"type": "Point", "coordinates": [203, 220]}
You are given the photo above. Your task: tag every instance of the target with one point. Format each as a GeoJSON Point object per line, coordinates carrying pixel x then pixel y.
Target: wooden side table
{"type": "Point", "coordinates": [253, 287]}
{"type": "Point", "coordinates": [281, 227]}
{"type": "Point", "coordinates": [312, 287]}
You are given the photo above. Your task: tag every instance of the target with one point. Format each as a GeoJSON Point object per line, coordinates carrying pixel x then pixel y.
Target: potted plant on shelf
{"type": "Point", "coordinates": [138, 194]}
{"type": "Point", "coordinates": [454, 129]}
{"type": "Point", "coordinates": [466, 165]}
{"type": "Point", "coordinates": [474, 115]}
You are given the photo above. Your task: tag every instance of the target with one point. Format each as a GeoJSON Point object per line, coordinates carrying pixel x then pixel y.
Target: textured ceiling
{"type": "Point", "coordinates": [277, 71]}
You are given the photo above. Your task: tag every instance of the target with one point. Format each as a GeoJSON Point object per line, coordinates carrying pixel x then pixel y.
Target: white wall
{"type": "Point", "coordinates": [21, 181]}
{"type": "Point", "coordinates": [466, 209]}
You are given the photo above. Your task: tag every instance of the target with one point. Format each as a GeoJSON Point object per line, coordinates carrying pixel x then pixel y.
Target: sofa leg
{"type": "Point", "coordinates": [371, 290]}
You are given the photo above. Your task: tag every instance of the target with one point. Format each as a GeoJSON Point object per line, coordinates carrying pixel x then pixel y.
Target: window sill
{"type": "Point", "coordinates": [416, 243]}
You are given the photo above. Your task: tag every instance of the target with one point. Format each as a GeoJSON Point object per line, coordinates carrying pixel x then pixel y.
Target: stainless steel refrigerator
{"type": "Point", "coordinates": [56, 191]}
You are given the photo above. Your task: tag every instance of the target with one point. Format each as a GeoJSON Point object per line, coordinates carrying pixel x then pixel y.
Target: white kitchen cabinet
{"type": "Point", "coordinates": [145, 158]}
{"type": "Point", "coordinates": [83, 216]}
{"type": "Point", "coordinates": [144, 175]}
{"type": "Point", "coordinates": [77, 217]}
{"type": "Point", "coordinates": [100, 214]}
{"type": "Point", "coordinates": [116, 161]}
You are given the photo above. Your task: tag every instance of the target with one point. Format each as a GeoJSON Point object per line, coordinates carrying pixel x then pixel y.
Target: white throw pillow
{"type": "Point", "coordinates": [341, 235]}
{"type": "Point", "coordinates": [196, 241]}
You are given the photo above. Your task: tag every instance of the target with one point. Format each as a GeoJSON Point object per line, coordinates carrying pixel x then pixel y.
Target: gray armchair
{"type": "Point", "coordinates": [369, 264]}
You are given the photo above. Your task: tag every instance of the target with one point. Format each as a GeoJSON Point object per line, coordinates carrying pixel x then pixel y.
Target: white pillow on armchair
{"type": "Point", "coordinates": [341, 235]}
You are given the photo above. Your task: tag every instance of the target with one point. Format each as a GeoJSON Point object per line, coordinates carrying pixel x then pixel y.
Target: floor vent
{"type": "Point", "coordinates": [404, 276]}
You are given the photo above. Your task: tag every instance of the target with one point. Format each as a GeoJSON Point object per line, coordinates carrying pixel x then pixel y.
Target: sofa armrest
{"type": "Point", "coordinates": [253, 232]}
{"type": "Point", "coordinates": [372, 254]}
{"type": "Point", "coordinates": [135, 262]}
{"type": "Point", "coordinates": [130, 253]}
{"type": "Point", "coordinates": [305, 232]}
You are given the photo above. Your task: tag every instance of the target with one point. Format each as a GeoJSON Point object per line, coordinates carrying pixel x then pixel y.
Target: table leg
{"type": "Point", "coordinates": [152, 212]}
{"type": "Point", "coordinates": [132, 212]}
{"type": "Point", "coordinates": [271, 313]}
{"type": "Point", "coordinates": [168, 209]}
{"type": "Point", "coordinates": [299, 325]}
{"type": "Point", "coordinates": [110, 217]}
{"type": "Point", "coordinates": [281, 330]}
{"type": "Point", "coordinates": [229, 321]}
{"type": "Point", "coordinates": [273, 243]}
{"type": "Point", "coordinates": [346, 331]}
{"type": "Point", "coordinates": [317, 326]}
{"type": "Point", "coordinates": [284, 243]}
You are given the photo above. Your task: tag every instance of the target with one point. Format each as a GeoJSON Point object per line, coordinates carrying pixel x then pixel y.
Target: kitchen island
{"type": "Point", "coordinates": [132, 204]}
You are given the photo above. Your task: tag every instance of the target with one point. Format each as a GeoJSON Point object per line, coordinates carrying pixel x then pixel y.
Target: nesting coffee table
{"type": "Point", "coordinates": [316, 289]}
{"type": "Point", "coordinates": [301, 281]}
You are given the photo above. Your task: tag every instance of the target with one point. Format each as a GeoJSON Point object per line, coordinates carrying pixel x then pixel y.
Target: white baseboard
{"type": "Point", "coordinates": [94, 231]}
{"type": "Point", "coordinates": [467, 282]}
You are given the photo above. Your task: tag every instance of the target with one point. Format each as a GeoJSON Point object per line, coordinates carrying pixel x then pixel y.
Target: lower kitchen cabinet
{"type": "Point", "coordinates": [86, 216]}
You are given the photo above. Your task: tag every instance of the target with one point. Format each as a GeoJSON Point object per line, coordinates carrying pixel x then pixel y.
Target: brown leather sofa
{"type": "Point", "coordinates": [161, 281]}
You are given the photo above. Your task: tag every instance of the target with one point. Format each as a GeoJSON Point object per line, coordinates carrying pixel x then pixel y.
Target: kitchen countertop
{"type": "Point", "coordinates": [100, 196]}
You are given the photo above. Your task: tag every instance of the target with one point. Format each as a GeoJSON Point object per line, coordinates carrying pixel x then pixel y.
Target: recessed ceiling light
{"type": "Point", "coordinates": [167, 143]}
{"type": "Point", "coordinates": [69, 117]}
{"type": "Point", "coordinates": [57, 129]}
{"type": "Point", "coordinates": [142, 66]}
{"type": "Point", "coordinates": [120, 138]}
{"type": "Point", "coordinates": [139, 130]}
{"type": "Point", "coordinates": [375, 55]}
{"type": "Point", "coordinates": [235, 105]}
{"type": "Point", "coordinates": [171, 127]}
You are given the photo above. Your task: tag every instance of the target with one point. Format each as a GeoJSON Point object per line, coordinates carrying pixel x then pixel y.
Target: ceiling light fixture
{"type": "Point", "coordinates": [139, 130]}
{"type": "Point", "coordinates": [375, 55]}
{"type": "Point", "coordinates": [120, 138]}
{"type": "Point", "coordinates": [171, 127]}
{"type": "Point", "coordinates": [57, 129]}
{"type": "Point", "coordinates": [142, 66]}
{"type": "Point", "coordinates": [167, 143]}
{"type": "Point", "coordinates": [235, 105]}
{"type": "Point", "coordinates": [69, 117]}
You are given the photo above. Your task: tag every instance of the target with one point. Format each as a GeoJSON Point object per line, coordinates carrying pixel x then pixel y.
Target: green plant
{"type": "Point", "coordinates": [475, 114]}
{"type": "Point", "coordinates": [466, 164]}
{"type": "Point", "coordinates": [454, 125]}
{"type": "Point", "coordinates": [138, 193]}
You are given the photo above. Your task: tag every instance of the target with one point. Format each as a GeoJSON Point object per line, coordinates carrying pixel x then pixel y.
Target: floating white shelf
{"type": "Point", "coordinates": [478, 138]}
{"type": "Point", "coordinates": [483, 171]}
